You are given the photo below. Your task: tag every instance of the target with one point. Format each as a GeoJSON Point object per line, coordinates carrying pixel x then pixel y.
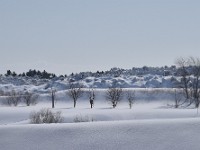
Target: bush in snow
{"type": "Point", "coordinates": [80, 118]}
{"type": "Point", "coordinates": [45, 116]}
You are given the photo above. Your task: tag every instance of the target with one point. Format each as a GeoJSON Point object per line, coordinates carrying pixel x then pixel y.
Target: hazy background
{"type": "Point", "coordinates": [64, 36]}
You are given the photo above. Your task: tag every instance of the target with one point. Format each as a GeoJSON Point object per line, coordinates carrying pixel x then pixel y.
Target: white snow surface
{"type": "Point", "coordinates": [152, 124]}
{"type": "Point", "coordinates": [181, 134]}
{"type": "Point", "coordinates": [148, 126]}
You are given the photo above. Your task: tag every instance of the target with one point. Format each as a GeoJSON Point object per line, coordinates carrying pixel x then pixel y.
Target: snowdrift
{"type": "Point", "coordinates": [181, 134]}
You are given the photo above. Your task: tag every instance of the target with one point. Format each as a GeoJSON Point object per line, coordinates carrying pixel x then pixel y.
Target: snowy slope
{"type": "Point", "coordinates": [170, 134]}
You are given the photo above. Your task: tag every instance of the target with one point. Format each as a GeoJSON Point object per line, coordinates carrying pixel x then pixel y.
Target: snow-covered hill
{"type": "Point", "coordinates": [41, 82]}
{"type": "Point", "coordinates": [60, 83]}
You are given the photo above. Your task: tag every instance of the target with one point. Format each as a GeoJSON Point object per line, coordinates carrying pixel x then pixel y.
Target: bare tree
{"type": "Point", "coordinates": [182, 63]}
{"type": "Point", "coordinates": [30, 98]}
{"type": "Point", "coordinates": [9, 98]}
{"type": "Point", "coordinates": [130, 96]}
{"type": "Point", "coordinates": [2, 93]}
{"type": "Point", "coordinates": [75, 92]}
{"type": "Point", "coordinates": [53, 96]}
{"type": "Point", "coordinates": [191, 80]}
{"type": "Point", "coordinates": [91, 96]}
{"type": "Point", "coordinates": [195, 90]}
{"type": "Point", "coordinates": [114, 95]}
{"type": "Point", "coordinates": [178, 98]}
{"type": "Point", "coordinates": [13, 98]}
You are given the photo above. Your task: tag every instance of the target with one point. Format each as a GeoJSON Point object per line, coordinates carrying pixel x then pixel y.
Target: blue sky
{"type": "Point", "coordinates": [67, 36]}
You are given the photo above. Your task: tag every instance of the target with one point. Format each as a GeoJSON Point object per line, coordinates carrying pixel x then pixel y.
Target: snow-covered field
{"type": "Point", "coordinates": [147, 126]}
{"type": "Point", "coordinates": [167, 134]}
{"type": "Point", "coordinates": [150, 125]}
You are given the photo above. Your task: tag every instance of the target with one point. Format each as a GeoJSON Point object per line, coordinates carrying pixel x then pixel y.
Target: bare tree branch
{"type": "Point", "coordinates": [75, 92]}
{"type": "Point", "coordinates": [30, 98]}
{"type": "Point", "coordinates": [130, 96]}
{"type": "Point", "coordinates": [114, 95]}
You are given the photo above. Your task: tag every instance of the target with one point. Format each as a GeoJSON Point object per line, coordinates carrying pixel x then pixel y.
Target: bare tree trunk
{"type": "Point", "coordinates": [91, 96]}
{"type": "Point", "coordinates": [53, 95]}
{"type": "Point", "coordinates": [91, 105]}
{"type": "Point", "coordinates": [185, 80]}
{"type": "Point", "coordinates": [74, 103]}
{"type": "Point", "coordinates": [53, 100]}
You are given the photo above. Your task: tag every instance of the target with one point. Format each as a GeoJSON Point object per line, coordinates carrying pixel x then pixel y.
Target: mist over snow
{"type": "Point", "coordinates": [152, 124]}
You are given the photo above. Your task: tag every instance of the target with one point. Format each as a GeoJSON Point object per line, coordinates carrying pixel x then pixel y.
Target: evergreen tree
{"type": "Point", "coordinates": [8, 73]}
{"type": "Point", "coordinates": [14, 74]}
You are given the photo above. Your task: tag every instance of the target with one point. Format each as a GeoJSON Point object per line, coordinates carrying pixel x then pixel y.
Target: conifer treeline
{"type": "Point", "coordinates": [32, 73]}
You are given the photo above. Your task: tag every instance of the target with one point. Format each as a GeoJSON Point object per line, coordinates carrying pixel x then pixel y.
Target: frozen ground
{"type": "Point", "coordinates": [148, 126]}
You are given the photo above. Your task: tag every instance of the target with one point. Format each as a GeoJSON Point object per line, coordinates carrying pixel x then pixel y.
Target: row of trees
{"type": "Point", "coordinates": [32, 73]}
{"type": "Point", "coordinates": [113, 72]}
{"type": "Point", "coordinates": [113, 95]}
{"type": "Point", "coordinates": [14, 98]}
